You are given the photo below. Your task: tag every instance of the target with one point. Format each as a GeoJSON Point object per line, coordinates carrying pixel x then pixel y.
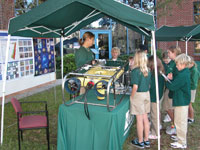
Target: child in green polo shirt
{"type": "Point", "coordinates": [194, 77]}
{"type": "Point", "coordinates": [140, 98]}
{"type": "Point", "coordinates": [180, 85]}
{"type": "Point", "coordinates": [161, 81]}
{"type": "Point", "coordinates": [173, 52]}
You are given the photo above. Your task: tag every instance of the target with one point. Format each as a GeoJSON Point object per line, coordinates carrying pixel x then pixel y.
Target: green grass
{"type": "Point", "coordinates": [36, 139]}
{"type": "Point", "coordinates": [33, 139]}
{"type": "Point", "coordinates": [193, 136]}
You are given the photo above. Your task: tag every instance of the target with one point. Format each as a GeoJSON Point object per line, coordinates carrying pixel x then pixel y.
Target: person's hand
{"type": "Point", "coordinates": [170, 76]}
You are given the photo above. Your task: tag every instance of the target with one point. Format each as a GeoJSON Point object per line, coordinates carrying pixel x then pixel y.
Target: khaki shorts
{"type": "Point", "coordinates": [193, 94]}
{"type": "Point", "coordinates": [167, 102]}
{"type": "Point", "coordinates": [140, 103]}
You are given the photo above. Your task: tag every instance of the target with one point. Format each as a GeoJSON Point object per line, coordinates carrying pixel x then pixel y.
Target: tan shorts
{"type": "Point", "coordinates": [140, 103]}
{"type": "Point", "coordinates": [193, 94]}
{"type": "Point", "coordinates": [167, 102]}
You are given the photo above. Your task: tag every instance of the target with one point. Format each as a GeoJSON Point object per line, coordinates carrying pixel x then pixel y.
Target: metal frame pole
{"type": "Point", "coordinates": [4, 87]}
{"type": "Point", "coordinates": [157, 91]}
{"type": "Point", "coordinates": [61, 49]}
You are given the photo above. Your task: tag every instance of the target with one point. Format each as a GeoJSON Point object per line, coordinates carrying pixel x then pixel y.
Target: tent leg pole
{"type": "Point", "coordinates": [4, 87]}
{"type": "Point", "coordinates": [151, 46]}
{"type": "Point", "coordinates": [156, 82]}
{"type": "Point", "coordinates": [186, 47]}
{"type": "Point", "coordinates": [61, 57]}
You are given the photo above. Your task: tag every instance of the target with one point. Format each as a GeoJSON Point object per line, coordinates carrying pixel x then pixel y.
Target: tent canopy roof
{"type": "Point", "coordinates": [56, 18]}
{"type": "Point", "coordinates": [178, 33]}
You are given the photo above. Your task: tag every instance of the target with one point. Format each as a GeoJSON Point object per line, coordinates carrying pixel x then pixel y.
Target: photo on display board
{"type": "Point", "coordinates": [25, 42]}
{"type": "Point", "coordinates": [22, 74]}
{"type": "Point", "coordinates": [44, 56]}
{"type": "Point", "coordinates": [26, 55]}
{"type": "Point", "coordinates": [21, 49]}
{"type": "Point", "coordinates": [12, 70]}
{"type": "Point", "coordinates": [21, 68]}
{"type": "Point", "coordinates": [25, 49]}
{"type": "Point", "coordinates": [29, 43]}
{"type": "Point", "coordinates": [20, 43]}
{"type": "Point", "coordinates": [30, 54]}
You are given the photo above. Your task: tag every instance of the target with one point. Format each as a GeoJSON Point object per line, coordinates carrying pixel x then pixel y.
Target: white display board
{"type": "Point", "coordinates": [21, 65]}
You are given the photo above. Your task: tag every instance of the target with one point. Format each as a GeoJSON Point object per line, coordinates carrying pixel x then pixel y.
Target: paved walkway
{"type": "Point", "coordinates": [35, 90]}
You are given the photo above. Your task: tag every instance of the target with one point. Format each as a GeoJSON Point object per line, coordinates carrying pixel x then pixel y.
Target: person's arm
{"type": "Point", "coordinates": [195, 78]}
{"type": "Point", "coordinates": [134, 81]}
{"type": "Point", "coordinates": [176, 84]}
{"type": "Point", "coordinates": [134, 90]}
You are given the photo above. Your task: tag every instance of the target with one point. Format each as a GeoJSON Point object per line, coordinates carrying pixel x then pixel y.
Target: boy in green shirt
{"type": "Point", "coordinates": [194, 77]}
{"type": "Point", "coordinates": [180, 86]}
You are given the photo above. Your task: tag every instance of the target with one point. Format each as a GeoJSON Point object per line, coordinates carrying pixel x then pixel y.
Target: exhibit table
{"type": "Point", "coordinates": [104, 131]}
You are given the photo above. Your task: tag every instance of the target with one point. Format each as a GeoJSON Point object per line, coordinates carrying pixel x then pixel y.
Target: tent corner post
{"type": "Point", "coordinates": [186, 45]}
{"type": "Point", "coordinates": [4, 86]}
{"type": "Point", "coordinates": [61, 50]}
{"type": "Point", "coordinates": [156, 83]}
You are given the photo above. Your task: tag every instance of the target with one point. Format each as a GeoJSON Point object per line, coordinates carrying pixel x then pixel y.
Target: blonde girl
{"type": "Point", "coordinates": [140, 98]}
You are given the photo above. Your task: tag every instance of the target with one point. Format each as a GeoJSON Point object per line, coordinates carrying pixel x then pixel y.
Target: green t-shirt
{"type": "Point", "coordinates": [138, 78]}
{"type": "Point", "coordinates": [161, 83]}
{"type": "Point", "coordinates": [194, 77]}
{"type": "Point", "coordinates": [83, 56]}
{"type": "Point", "coordinates": [181, 88]}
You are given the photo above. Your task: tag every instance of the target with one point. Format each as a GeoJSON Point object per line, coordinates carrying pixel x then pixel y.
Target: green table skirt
{"type": "Point", "coordinates": [104, 131]}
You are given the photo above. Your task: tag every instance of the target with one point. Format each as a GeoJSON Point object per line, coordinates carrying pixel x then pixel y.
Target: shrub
{"type": "Point", "coordinates": [124, 57]}
{"type": "Point", "coordinates": [68, 64]}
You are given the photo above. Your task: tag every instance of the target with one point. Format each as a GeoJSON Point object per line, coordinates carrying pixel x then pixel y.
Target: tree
{"type": "Point", "coordinates": [23, 6]}
{"type": "Point", "coordinates": [164, 6]}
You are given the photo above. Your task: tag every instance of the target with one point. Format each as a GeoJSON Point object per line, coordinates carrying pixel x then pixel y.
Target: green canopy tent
{"type": "Point", "coordinates": [178, 33]}
{"type": "Point", "coordinates": [63, 17]}
{"type": "Point", "coordinates": [60, 18]}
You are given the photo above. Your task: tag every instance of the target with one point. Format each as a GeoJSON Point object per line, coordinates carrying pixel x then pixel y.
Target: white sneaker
{"type": "Point", "coordinates": [160, 126]}
{"type": "Point", "coordinates": [178, 145]}
{"type": "Point", "coordinates": [152, 137]}
{"type": "Point", "coordinates": [171, 131]}
{"type": "Point", "coordinates": [167, 118]}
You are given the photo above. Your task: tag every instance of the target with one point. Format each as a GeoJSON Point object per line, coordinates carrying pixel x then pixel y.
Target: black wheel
{"type": "Point", "coordinates": [99, 86]}
{"type": "Point", "coordinates": [72, 85]}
